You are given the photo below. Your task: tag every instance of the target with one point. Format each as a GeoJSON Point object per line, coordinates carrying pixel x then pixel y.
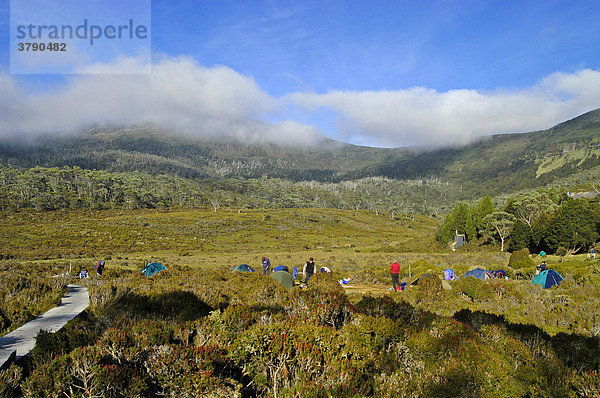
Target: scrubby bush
{"type": "Point", "coordinates": [10, 381]}
{"type": "Point", "coordinates": [520, 259]}
{"type": "Point", "coordinates": [25, 293]}
{"type": "Point", "coordinates": [561, 251]}
{"type": "Point", "coordinates": [318, 307]}
{"type": "Point", "coordinates": [191, 371]}
{"type": "Point", "coordinates": [151, 332]}
{"type": "Point", "coordinates": [160, 337]}
{"type": "Point", "coordinates": [521, 262]}
{"type": "Point", "coordinates": [419, 267]}
{"type": "Point", "coordinates": [221, 328]}
{"type": "Point", "coordinates": [429, 287]}
{"type": "Point", "coordinates": [476, 289]}
{"type": "Point", "coordinates": [385, 307]}
{"type": "Point", "coordinates": [366, 276]}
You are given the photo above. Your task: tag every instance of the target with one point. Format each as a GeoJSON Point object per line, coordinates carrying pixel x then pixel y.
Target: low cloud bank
{"type": "Point", "coordinates": [178, 95]}
{"type": "Point", "coordinates": [218, 102]}
{"type": "Point", "coordinates": [425, 117]}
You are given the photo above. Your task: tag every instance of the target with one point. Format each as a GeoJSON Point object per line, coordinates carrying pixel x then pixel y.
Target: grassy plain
{"type": "Point", "coordinates": [198, 238]}
{"type": "Point", "coordinates": [356, 244]}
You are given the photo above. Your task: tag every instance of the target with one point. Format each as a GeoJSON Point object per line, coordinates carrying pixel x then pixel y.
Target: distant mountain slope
{"type": "Point", "coordinates": [511, 162]}
{"type": "Point", "coordinates": [160, 152]}
{"type": "Point", "coordinates": [494, 165]}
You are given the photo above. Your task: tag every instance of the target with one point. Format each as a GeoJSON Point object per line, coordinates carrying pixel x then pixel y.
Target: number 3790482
{"type": "Point", "coordinates": [42, 46]}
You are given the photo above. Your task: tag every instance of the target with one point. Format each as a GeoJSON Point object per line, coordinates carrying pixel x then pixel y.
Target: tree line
{"type": "Point", "coordinates": [44, 188]}
{"type": "Point", "coordinates": [544, 220]}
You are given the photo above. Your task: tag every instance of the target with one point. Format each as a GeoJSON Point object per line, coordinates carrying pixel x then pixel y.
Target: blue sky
{"type": "Point", "coordinates": [384, 45]}
{"type": "Point", "coordinates": [384, 73]}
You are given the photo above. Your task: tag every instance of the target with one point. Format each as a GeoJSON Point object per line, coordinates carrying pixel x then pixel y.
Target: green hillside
{"type": "Point", "coordinates": [496, 165]}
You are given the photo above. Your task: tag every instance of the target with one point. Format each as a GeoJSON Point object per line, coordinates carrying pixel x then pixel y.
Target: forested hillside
{"type": "Point", "coordinates": [501, 164]}
{"type": "Point", "coordinates": [74, 188]}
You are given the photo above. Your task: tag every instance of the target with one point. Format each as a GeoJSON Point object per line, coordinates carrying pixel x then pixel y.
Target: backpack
{"type": "Point", "coordinates": [310, 267]}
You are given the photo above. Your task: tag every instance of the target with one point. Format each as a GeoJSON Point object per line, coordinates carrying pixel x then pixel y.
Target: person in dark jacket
{"type": "Point", "coordinates": [266, 265]}
{"type": "Point", "coordinates": [308, 270]}
{"type": "Point", "coordinates": [100, 267]}
{"type": "Point", "coordinates": [541, 267]}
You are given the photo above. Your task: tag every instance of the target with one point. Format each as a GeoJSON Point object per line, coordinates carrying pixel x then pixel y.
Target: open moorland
{"type": "Point", "coordinates": [198, 329]}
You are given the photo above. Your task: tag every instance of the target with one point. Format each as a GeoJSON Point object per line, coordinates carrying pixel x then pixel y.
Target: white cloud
{"type": "Point", "coordinates": [179, 95]}
{"type": "Point", "coordinates": [183, 96]}
{"type": "Point", "coordinates": [425, 117]}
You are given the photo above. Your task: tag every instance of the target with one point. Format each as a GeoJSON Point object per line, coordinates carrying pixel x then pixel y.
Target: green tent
{"type": "Point", "coordinates": [547, 279]}
{"type": "Point", "coordinates": [243, 268]}
{"type": "Point", "coordinates": [542, 253]}
{"type": "Point", "coordinates": [285, 278]}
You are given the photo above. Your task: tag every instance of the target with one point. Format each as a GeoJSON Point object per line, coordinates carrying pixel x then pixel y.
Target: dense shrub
{"type": "Point", "coordinates": [151, 332]}
{"type": "Point", "coordinates": [476, 289]}
{"type": "Point", "coordinates": [385, 307]}
{"type": "Point", "coordinates": [222, 327]}
{"type": "Point", "coordinates": [10, 381]}
{"type": "Point", "coordinates": [320, 307]}
{"type": "Point", "coordinates": [584, 384]}
{"type": "Point", "coordinates": [86, 371]}
{"type": "Point", "coordinates": [290, 359]}
{"type": "Point", "coordinates": [521, 262]}
{"type": "Point", "coordinates": [178, 305]}
{"type": "Point", "coordinates": [429, 287]}
{"type": "Point", "coordinates": [191, 371]}
{"type": "Point", "coordinates": [158, 337]}
{"type": "Point", "coordinates": [25, 293]}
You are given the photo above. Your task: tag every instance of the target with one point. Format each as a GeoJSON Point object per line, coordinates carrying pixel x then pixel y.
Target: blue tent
{"type": "Point", "coordinates": [547, 278]}
{"type": "Point", "coordinates": [243, 268]}
{"type": "Point", "coordinates": [281, 268]}
{"type": "Point", "coordinates": [479, 274]}
{"type": "Point", "coordinates": [449, 274]}
{"type": "Point", "coordinates": [152, 269]}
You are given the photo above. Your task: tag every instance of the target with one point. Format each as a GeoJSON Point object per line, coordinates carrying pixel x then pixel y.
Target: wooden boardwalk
{"type": "Point", "coordinates": [22, 340]}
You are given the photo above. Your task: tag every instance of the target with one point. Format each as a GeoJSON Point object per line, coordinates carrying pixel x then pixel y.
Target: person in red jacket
{"type": "Point", "coordinates": [395, 268]}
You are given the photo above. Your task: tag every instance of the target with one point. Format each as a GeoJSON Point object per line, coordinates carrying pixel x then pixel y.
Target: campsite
{"type": "Point", "coordinates": [199, 325]}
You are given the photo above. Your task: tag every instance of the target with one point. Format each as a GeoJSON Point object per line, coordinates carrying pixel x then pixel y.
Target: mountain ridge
{"type": "Point", "coordinates": [493, 165]}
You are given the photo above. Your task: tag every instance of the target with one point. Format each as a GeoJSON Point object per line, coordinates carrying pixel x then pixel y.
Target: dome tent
{"type": "Point", "coordinates": [243, 268]}
{"type": "Point", "coordinates": [547, 279]}
{"type": "Point", "coordinates": [152, 269]}
{"type": "Point", "coordinates": [449, 274]}
{"type": "Point", "coordinates": [283, 277]}
{"type": "Point", "coordinates": [479, 274]}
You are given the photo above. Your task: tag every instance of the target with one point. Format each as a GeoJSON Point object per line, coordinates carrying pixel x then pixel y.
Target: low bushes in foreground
{"type": "Point", "coordinates": [309, 343]}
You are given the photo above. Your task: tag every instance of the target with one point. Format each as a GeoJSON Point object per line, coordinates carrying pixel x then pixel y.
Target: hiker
{"type": "Point", "coordinates": [308, 270]}
{"type": "Point", "coordinates": [395, 269]}
{"type": "Point", "coordinates": [540, 268]}
{"type": "Point", "coordinates": [593, 253]}
{"type": "Point", "coordinates": [266, 265]}
{"type": "Point", "coordinates": [100, 267]}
